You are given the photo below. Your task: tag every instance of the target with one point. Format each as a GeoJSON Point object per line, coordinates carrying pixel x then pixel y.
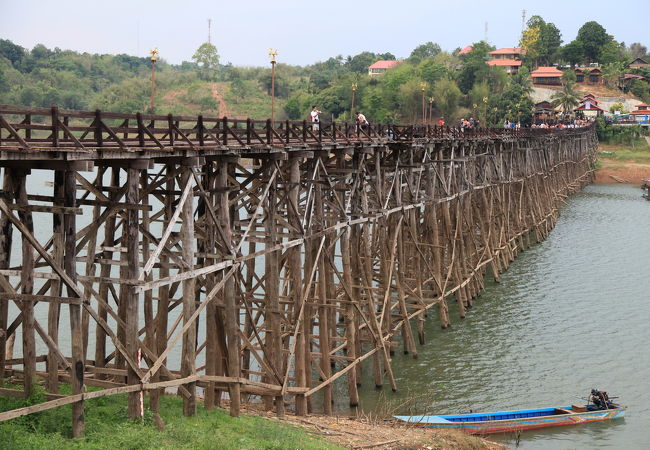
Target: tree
{"type": "Point", "coordinates": [473, 62]}
{"type": "Point", "coordinates": [636, 50]}
{"type": "Point", "coordinates": [428, 50]}
{"type": "Point", "coordinates": [479, 98]}
{"type": "Point", "coordinates": [566, 99]}
{"type": "Point", "coordinates": [613, 73]}
{"type": "Point", "coordinates": [541, 40]}
{"type": "Point", "coordinates": [11, 51]}
{"type": "Point", "coordinates": [618, 108]}
{"type": "Point", "coordinates": [431, 72]}
{"type": "Point", "coordinates": [447, 95]}
{"type": "Point", "coordinates": [593, 38]}
{"type": "Point", "coordinates": [573, 53]}
{"type": "Point", "coordinates": [207, 58]}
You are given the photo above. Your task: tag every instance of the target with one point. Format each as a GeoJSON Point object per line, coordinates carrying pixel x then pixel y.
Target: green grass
{"type": "Point", "coordinates": [107, 426]}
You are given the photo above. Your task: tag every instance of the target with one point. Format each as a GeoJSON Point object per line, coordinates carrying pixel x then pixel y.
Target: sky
{"type": "Point", "coordinates": [302, 31]}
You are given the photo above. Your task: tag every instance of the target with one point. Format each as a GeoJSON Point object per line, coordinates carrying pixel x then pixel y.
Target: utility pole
{"type": "Point", "coordinates": [523, 23]}
{"type": "Point", "coordinates": [209, 31]}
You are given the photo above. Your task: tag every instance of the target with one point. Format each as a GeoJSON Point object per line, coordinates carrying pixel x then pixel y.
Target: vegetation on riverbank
{"type": "Point", "coordinates": [107, 426]}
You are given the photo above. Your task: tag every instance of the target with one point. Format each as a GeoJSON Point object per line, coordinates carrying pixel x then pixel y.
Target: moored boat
{"type": "Point", "coordinates": [598, 408]}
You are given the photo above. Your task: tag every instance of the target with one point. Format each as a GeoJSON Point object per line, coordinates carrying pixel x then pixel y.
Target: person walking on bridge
{"type": "Point", "coordinates": [315, 118]}
{"type": "Point", "coordinates": [362, 122]}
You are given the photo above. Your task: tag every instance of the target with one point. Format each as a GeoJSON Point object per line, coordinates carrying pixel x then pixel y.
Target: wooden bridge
{"type": "Point", "coordinates": [251, 257]}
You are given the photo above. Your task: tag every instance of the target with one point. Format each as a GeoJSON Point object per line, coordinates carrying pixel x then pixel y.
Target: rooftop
{"type": "Point", "coordinates": [466, 50]}
{"type": "Point", "coordinates": [508, 51]}
{"type": "Point", "coordinates": [546, 71]}
{"type": "Point", "coordinates": [383, 64]}
{"type": "Point", "coordinates": [503, 62]}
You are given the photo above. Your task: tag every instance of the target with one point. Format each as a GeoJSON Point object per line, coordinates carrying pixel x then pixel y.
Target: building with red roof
{"type": "Point", "coordinates": [511, 65]}
{"type": "Point", "coordinates": [589, 75]}
{"type": "Point", "coordinates": [507, 53]}
{"type": "Point", "coordinates": [380, 67]}
{"type": "Point", "coordinates": [550, 75]}
{"type": "Point", "coordinates": [642, 113]}
{"type": "Point", "coordinates": [465, 50]}
{"type": "Point", "coordinates": [508, 58]}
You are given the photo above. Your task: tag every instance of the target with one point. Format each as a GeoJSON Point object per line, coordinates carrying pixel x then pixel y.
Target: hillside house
{"type": "Point", "coordinates": [589, 75]}
{"type": "Point", "coordinates": [642, 113]}
{"type": "Point", "coordinates": [544, 112]}
{"type": "Point", "coordinates": [547, 76]}
{"type": "Point", "coordinates": [589, 107]}
{"type": "Point", "coordinates": [380, 67]}
{"type": "Point", "coordinates": [639, 63]}
{"type": "Point", "coordinates": [508, 58]}
{"type": "Point", "coordinates": [465, 50]}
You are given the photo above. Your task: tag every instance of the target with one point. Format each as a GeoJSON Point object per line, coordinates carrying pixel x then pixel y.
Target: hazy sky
{"type": "Point", "coordinates": [303, 31]}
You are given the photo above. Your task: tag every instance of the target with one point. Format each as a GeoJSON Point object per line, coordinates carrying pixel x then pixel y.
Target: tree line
{"type": "Point", "coordinates": [452, 85]}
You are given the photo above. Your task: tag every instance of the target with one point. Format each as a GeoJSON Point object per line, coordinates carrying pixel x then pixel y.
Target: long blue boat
{"type": "Point", "coordinates": [598, 409]}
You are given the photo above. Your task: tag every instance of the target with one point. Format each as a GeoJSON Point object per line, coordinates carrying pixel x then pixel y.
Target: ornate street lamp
{"type": "Point", "coordinates": [154, 57]}
{"type": "Point", "coordinates": [430, 107]}
{"type": "Point", "coordinates": [273, 53]}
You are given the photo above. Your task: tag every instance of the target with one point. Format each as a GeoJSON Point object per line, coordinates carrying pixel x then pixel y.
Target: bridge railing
{"type": "Point", "coordinates": [25, 128]}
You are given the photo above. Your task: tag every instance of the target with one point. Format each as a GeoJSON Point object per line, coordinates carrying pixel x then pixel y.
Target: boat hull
{"type": "Point", "coordinates": [514, 424]}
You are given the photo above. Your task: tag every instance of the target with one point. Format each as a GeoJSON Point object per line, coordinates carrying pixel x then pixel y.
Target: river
{"type": "Point", "coordinates": [569, 315]}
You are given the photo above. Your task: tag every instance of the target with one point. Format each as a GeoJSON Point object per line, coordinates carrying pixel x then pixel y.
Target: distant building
{"type": "Point", "coordinates": [465, 50]}
{"type": "Point", "coordinates": [547, 76]}
{"type": "Point", "coordinates": [380, 67]}
{"type": "Point", "coordinates": [589, 107]}
{"type": "Point", "coordinates": [511, 65]}
{"type": "Point", "coordinates": [639, 63]}
{"type": "Point", "coordinates": [589, 75]}
{"type": "Point", "coordinates": [642, 113]}
{"type": "Point", "coordinates": [544, 112]}
{"type": "Point", "coordinates": [508, 58]}
{"type": "Point", "coordinates": [507, 53]}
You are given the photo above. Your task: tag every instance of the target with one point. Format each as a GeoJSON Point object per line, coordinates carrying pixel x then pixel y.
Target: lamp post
{"type": "Point", "coordinates": [154, 57]}
{"type": "Point", "coordinates": [354, 90]}
{"type": "Point", "coordinates": [430, 108]}
{"type": "Point", "coordinates": [423, 86]}
{"type": "Point", "coordinates": [272, 53]}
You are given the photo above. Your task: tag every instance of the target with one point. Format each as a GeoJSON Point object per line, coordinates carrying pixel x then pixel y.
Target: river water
{"type": "Point", "coordinates": [569, 315]}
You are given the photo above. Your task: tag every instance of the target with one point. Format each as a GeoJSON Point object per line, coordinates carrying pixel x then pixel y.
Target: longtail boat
{"type": "Point", "coordinates": [526, 419]}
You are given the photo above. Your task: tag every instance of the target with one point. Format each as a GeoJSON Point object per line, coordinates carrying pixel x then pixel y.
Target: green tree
{"type": "Point", "coordinates": [566, 99]}
{"type": "Point", "coordinates": [636, 50]}
{"type": "Point", "coordinates": [447, 96]}
{"type": "Point", "coordinates": [573, 53]}
{"type": "Point", "coordinates": [428, 50]}
{"type": "Point", "coordinates": [613, 74]}
{"type": "Point", "coordinates": [541, 40]}
{"type": "Point", "coordinates": [431, 72]}
{"type": "Point", "coordinates": [473, 62]}
{"type": "Point", "coordinates": [593, 38]}
{"type": "Point", "coordinates": [479, 98]}
{"type": "Point", "coordinates": [11, 51]}
{"type": "Point", "coordinates": [207, 58]}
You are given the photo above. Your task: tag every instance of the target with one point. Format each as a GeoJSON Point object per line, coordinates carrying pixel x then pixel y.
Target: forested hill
{"type": "Point", "coordinates": [452, 85]}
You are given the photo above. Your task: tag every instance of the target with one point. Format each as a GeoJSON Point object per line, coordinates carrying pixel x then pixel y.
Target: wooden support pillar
{"type": "Point", "coordinates": [231, 311]}
{"type": "Point", "coordinates": [54, 308]}
{"type": "Point", "coordinates": [26, 283]}
{"type": "Point", "coordinates": [6, 231]}
{"type": "Point", "coordinates": [188, 362]}
{"type": "Point", "coordinates": [294, 264]}
{"type": "Point", "coordinates": [76, 337]}
{"type": "Point", "coordinates": [130, 301]}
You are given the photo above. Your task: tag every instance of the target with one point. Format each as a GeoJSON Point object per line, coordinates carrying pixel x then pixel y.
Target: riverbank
{"type": "Point", "coordinates": [107, 426]}
{"type": "Point", "coordinates": [619, 163]}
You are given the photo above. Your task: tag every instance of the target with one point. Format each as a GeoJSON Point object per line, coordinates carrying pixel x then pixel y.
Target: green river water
{"type": "Point", "coordinates": [570, 314]}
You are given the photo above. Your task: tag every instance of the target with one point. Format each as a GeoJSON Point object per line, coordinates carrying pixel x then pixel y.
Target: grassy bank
{"type": "Point", "coordinates": [107, 426]}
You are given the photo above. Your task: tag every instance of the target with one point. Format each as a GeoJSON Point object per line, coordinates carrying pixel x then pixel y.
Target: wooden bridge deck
{"type": "Point", "coordinates": [251, 257]}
